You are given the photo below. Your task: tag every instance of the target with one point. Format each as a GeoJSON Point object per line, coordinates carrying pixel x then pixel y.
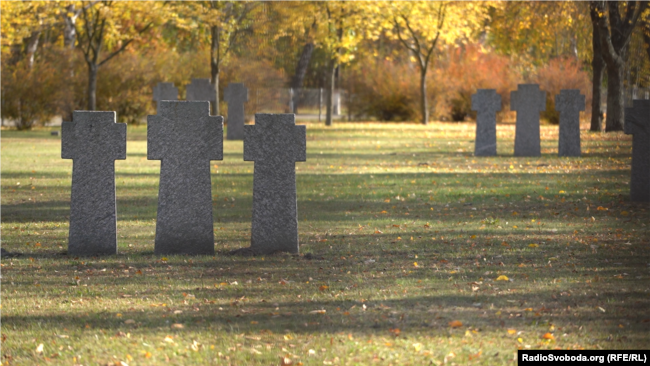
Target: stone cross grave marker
{"type": "Point", "coordinates": [201, 89]}
{"type": "Point", "coordinates": [185, 138]}
{"type": "Point", "coordinates": [235, 94]}
{"type": "Point", "coordinates": [528, 101]}
{"type": "Point", "coordinates": [486, 102]}
{"type": "Point", "coordinates": [274, 143]}
{"type": "Point", "coordinates": [569, 103]}
{"type": "Point", "coordinates": [637, 124]}
{"type": "Point", "coordinates": [93, 141]}
{"type": "Point", "coordinates": [165, 91]}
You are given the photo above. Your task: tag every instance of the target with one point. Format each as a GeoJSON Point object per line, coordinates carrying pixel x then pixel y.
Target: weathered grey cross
{"type": "Point", "coordinates": [528, 101]}
{"type": "Point", "coordinates": [185, 138]}
{"type": "Point", "coordinates": [568, 104]}
{"type": "Point", "coordinates": [165, 91]}
{"type": "Point", "coordinates": [274, 143]}
{"type": "Point", "coordinates": [637, 124]}
{"type": "Point", "coordinates": [235, 94]}
{"type": "Point", "coordinates": [94, 141]}
{"type": "Point", "coordinates": [486, 102]}
{"type": "Point", "coordinates": [201, 89]}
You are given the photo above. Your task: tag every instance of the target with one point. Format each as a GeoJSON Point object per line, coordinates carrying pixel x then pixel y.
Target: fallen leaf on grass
{"type": "Point", "coordinates": [512, 331]}
{"type": "Point", "coordinates": [502, 278]}
{"type": "Point", "coordinates": [323, 288]}
{"type": "Point", "coordinates": [548, 336]}
{"type": "Point", "coordinates": [318, 312]}
{"type": "Point", "coordinates": [455, 324]}
{"type": "Point", "coordinates": [285, 361]}
{"type": "Point", "coordinates": [533, 245]}
{"type": "Point", "coordinates": [177, 326]}
{"type": "Point", "coordinates": [39, 349]}
{"type": "Point", "coordinates": [129, 321]}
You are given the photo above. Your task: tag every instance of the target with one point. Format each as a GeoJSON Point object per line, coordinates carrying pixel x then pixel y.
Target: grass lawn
{"type": "Point", "coordinates": [413, 251]}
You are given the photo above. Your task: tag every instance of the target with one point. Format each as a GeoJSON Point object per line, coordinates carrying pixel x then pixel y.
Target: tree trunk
{"type": "Point", "coordinates": [31, 45]}
{"type": "Point", "coordinates": [69, 31]}
{"type": "Point", "coordinates": [215, 60]}
{"type": "Point", "coordinates": [596, 90]}
{"type": "Point", "coordinates": [214, 80]}
{"type": "Point", "coordinates": [423, 96]}
{"type": "Point", "coordinates": [301, 70]}
{"type": "Point", "coordinates": [330, 93]}
{"type": "Point", "coordinates": [598, 66]}
{"type": "Point", "coordinates": [615, 97]}
{"type": "Point", "coordinates": [646, 36]}
{"type": "Point", "coordinates": [92, 86]}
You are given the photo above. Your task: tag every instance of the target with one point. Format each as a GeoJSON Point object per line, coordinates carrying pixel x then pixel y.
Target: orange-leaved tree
{"type": "Point", "coordinates": [422, 26]}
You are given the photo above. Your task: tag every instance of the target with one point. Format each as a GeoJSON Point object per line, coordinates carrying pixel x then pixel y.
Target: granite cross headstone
{"type": "Point", "coordinates": [165, 91]}
{"type": "Point", "coordinates": [235, 94]}
{"type": "Point", "coordinates": [568, 104]}
{"type": "Point", "coordinates": [274, 143]}
{"type": "Point", "coordinates": [528, 101]}
{"type": "Point", "coordinates": [201, 89]}
{"type": "Point", "coordinates": [185, 138]}
{"type": "Point", "coordinates": [486, 102]}
{"type": "Point", "coordinates": [93, 141]}
{"type": "Point", "coordinates": [637, 124]}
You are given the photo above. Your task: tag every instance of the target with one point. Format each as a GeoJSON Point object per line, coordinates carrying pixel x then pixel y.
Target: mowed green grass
{"type": "Point", "coordinates": [413, 251]}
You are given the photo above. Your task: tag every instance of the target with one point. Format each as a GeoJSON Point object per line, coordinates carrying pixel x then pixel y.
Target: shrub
{"type": "Point", "coordinates": [29, 94]}
{"type": "Point", "coordinates": [461, 71]}
{"type": "Point", "coordinates": [562, 73]}
{"type": "Point", "coordinates": [124, 86]}
{"type": "Point", "coordinates": [384, 90]}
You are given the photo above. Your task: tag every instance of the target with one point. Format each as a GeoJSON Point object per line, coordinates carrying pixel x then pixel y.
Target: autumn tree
{"type": "Point", "coordinates": [534, 32]}
{"type": "Point", "coordinates": [338, 34]}
{"type": "Point", "coordinates": [598, 67]}
{"type": "Point", "coordinates": [616, 21]}
{"type": "Point", "coordinates": [106, 29]}
{"type": "Point", "coordinates": [422, 26]}
{"type": "Point", "coordinates": [221, 24]}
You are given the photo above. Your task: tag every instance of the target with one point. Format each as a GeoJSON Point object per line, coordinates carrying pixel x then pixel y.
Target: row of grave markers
{"type": "Point", "coordinates": [235, 94]}
{"type": "Point", "coordinates": [185, 138]}
{"type": "Point", "coordinates": [528, 101]}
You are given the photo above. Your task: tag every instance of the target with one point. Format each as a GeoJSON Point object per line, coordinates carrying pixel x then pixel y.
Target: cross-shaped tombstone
{"type": "Point", "coordinates": [201, 89]}
{"type": "Point", "coordinates": [165, 91]}
{"type": "Point", "coordinates": [528, 101]}
{"type": "Point", "coordinates": [94, 141]}
{"type": "Point", "coordinates": [569, 103]}
{"type": "Point", "coordinates": [185, 138]}
{"type": "Point", "coordinates": [274, 143]}
{"type": "Point", "coordinates": [486, 102]}
{"type": "Point", "coordinates": [235, 94]}
{"type": "Point", "coordinates": [637, 124]}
